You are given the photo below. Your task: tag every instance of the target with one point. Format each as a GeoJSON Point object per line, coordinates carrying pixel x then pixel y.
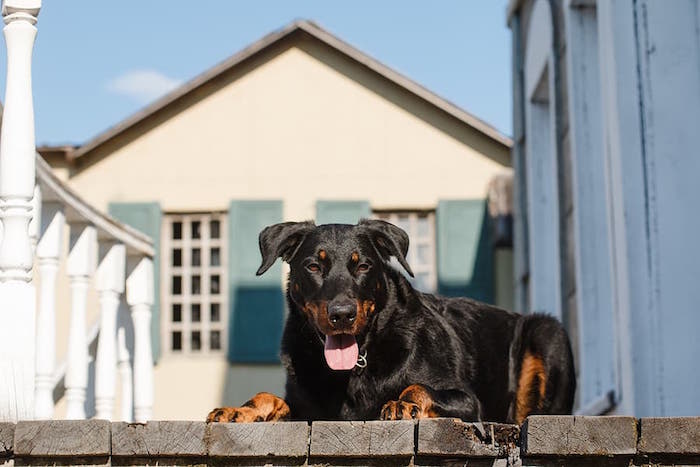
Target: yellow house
{"type": "Point", "coordinates": [299, 125]}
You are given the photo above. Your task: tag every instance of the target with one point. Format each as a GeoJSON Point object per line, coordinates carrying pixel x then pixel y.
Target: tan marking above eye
{"type": "Point", "coordinates": [355, 257]}
{"type": "Point", "coordinates": [322, 254]}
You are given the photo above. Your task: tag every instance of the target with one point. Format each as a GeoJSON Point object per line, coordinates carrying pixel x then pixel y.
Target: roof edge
{"type": "Point", "coordinates": [405, 82]}
{"type": "Point", "coordinates": [266, 41]}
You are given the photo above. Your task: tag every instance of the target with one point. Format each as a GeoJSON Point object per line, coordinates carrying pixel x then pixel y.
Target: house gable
{"type": "Point", "coordinates": [296, 119]}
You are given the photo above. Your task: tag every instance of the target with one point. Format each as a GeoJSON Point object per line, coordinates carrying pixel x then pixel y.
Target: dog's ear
{"type": "Point", "coordinates": [388, 240]}
{"type": "Point", "coordinates": [281, 241]}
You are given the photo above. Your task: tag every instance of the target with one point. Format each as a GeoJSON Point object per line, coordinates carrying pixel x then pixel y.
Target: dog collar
{"type": "Point", "coordinates": [362, 360]}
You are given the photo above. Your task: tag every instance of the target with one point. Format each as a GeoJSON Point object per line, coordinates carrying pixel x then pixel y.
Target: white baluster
{"type": "Point", "coordinates": [139, 296]}
{"type": "Point", "coordinates": [124, 335]}
{"type": "Point", "coordinates": [48, 253]}
{"type": "Point", "coordinates": [82, 259]}
{"type": "Point", "coordinates": [110, 285]}
{"type": "Point", "coordinates": [17, 152]}
{"type": "Point", "coordinates": [36, 218]}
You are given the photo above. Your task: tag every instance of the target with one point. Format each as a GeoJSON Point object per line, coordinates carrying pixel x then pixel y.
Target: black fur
{"type": "Point", "coordinates": [466, 353]}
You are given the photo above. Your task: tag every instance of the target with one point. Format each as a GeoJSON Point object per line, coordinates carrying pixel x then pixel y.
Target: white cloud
{"type": "Point", "coordinates": [142, 85]}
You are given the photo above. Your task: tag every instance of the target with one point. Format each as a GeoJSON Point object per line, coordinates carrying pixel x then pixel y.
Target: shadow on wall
{"type": "Point", "coordinates": [477, 280]}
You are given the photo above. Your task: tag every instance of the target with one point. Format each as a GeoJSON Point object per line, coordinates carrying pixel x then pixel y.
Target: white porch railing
{"type": "Point", "coordinates": [35, 208]}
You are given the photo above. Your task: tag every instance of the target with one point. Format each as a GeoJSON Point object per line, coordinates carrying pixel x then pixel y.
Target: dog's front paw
{"type": "Point", "coordinates": [235, 415]}
{"type": "Point", "coordinates": [400, 410]}
{"type": "Point", "coordinates": [416, 401]}
{"type": "Point", "coordinates": [263, 407]}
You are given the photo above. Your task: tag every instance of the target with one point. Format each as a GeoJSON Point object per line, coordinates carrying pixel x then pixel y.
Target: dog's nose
{"type": "Point", "coordinates": [342, 313]}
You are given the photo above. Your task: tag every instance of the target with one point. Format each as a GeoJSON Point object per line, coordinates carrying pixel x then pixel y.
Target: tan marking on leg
{"type": "Point", "coordinates": [532, 377]}
{"type": "Point", "coordinates": [263, 407]}
{"type": "Point", "coordinates": [414, 402]}
{"type": "Point", "coordinates": [417, 394]}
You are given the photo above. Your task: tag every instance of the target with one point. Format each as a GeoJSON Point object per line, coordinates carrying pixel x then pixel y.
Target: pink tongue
{"type": "Point", "coordinates": [341, 352]}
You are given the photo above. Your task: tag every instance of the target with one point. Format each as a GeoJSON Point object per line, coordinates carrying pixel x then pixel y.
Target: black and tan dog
{"type": "Point", "coordinates": [360, 343]}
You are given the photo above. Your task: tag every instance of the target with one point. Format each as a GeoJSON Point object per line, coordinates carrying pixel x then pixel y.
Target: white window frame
{"type": "Point", "coordinates": [417, 240]}
{"type": "Point", "coordinates": [186, 271]}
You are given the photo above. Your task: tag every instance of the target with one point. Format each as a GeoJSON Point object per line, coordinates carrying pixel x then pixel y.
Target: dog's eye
{"type": "Point", "coordinates": [364, 267]}
{"type": "Point", "coordinates": [313, 267]}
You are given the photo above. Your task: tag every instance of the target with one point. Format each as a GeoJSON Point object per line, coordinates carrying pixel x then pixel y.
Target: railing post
{"type": "Point", "coordinates": [110, 285]}
{"type": "Point", "coordinates": [48, 253]}
{"type": "Point", "coordinates": [124, 335]}
{"type": "Point", "coordinates": [35, 221]}
{"type": "Point", "coordinates": [17, 152]}
{"type": "Point", "coordinates": [81, 265]}
{"type": "Point", "coordinates": [139, 296]}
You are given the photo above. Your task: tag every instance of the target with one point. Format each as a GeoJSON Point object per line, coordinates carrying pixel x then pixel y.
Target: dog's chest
{"type": "Point", "coordinates": [364, 396]}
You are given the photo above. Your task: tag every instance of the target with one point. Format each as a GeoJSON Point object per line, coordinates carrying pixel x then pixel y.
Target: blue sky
{"type": "Point", "coordinates": [96, 62]}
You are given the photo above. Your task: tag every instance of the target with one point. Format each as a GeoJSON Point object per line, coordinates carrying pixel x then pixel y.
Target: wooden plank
{"type": "Point", "coordinates": [267, 440]}
{"type": "Point", "coordinates": [62, 438]}
{"type": "Point", "coordinates": [670, 436]}
{"type": "Point", "coordinates": [446, 437]}
{"type": "Point", "coordinates": [159, 439]}
{"type": "Point", "coordinates": [591, 229]}
{"type": "Point", "coordinates": [669, 71]}
{"type": "Point", "coordinates": [544, 435]}
{"type": "Point", "coordinates": [7, 435]}
{"type": "Point", "coordinates": [362, 439]}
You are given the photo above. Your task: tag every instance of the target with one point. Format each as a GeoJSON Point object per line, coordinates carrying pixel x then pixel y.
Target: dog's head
{"type": "Point", "coordinates": [337, 276]}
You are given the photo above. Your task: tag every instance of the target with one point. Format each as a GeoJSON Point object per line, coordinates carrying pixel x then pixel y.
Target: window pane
{"type": "Point", "coordinates": [196, 313]}
{"type": "Point", "coordinates": [177, 257]}
{"type": "Point", "coordinates": [214, 229]}
{"type": "Point", "coordinates": [177, 230]}
{"type": "Point", "coordinates": [214, 284]}
{"type": "Point", "coordinates": [196, 257]}
{"type": "Point", "coordinates": [214, 313]}
{"type": "Point", "coordinates": [423, 254]}
{"type": "Point", "coordinates": [196, 233]}
{"type": "Point", "coordinates": [196, 285]}
{"type": "Point", "coordinates": [403, 222]}
{"type": "Point", "coordinates": [215, 257]}
{"type": "Point", "coordinates": [196, 340]}
{"type": "Point", "coordinates": [177, 340]}
{"type": "Point", "coordinates": [177, 285]}
{"type": "Point", "coordinates": [423, 225]}
{"type": "Point", "coordinates": [177, 313]}
{"type": "Point", "coordinates": [215, 340]}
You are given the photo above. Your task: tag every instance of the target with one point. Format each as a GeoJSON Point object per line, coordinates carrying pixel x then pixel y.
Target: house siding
{"type": "Point", "coordinates": [629, 86]}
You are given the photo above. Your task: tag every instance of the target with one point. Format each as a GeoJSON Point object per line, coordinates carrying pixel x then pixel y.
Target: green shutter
{"type": "Point", "coordinates": [256, 303]}
{"type": "Point", "coordinates": [146, 217]}
{"type": "Point", "coordinates": [465, 256]}
{"type": "Point", "coordinates": [341, 212]}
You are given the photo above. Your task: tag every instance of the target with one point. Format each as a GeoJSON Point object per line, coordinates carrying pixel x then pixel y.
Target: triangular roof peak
{"type": "Point", "coordinates": [258, 47]}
